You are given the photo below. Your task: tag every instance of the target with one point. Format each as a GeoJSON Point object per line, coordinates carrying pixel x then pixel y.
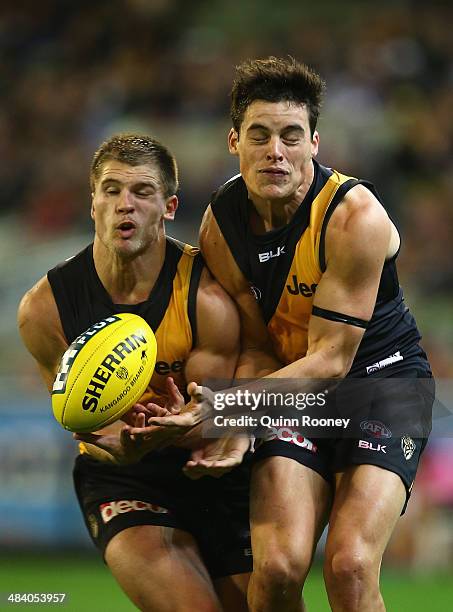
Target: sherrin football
{"type": "Point", "coordinates": [104, 372]}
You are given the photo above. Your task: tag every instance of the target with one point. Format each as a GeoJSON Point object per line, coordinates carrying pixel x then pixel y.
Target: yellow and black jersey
{"type": "Point", "coordinates": [285, 265]}
{"type": "Point", "coordinates": [170, 309]}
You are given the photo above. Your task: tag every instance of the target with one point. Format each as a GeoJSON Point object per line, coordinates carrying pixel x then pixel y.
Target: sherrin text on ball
{"type": "Point", "coordinates": [104, 372]}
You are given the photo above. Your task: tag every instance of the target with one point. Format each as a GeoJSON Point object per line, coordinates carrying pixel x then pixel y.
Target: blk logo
{"type": "Point", "coordinates": [297, 288]}
{"type": "Point", "coordinates": [373, 447]}
{"type": "Point", "coordinates": [271, 254]}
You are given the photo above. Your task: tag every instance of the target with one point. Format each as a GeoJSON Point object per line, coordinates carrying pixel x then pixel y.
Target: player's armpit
{"type": "Point", "coordinates": [41, 331]}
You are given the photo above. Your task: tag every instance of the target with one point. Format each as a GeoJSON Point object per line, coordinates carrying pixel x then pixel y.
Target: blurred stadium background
{"type": "Point", "coordinates": [72, 73]}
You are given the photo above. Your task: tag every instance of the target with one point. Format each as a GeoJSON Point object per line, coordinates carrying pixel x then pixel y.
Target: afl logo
{"type": "Point", "coordinates": [256, 292]}
{"type": "Point", "coordinates": [376, 429]}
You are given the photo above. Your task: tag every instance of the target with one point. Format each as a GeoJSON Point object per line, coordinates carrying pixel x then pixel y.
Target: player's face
{"type": "Point", "coordinates": [275, 150]}
{"type": "Point", "coordinates": [129, 207]}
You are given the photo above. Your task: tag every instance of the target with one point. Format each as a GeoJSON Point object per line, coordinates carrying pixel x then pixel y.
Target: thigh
{"type": "Point", "coordinates": [289, 507]}
{"type": "Point", "coordinates": [368, 501]}
{"type": "Point", "coordinates": [161, 570]}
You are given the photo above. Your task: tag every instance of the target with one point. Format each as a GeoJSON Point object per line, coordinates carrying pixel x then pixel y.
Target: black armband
{"type": "Point", "coordinates": [338, 317]}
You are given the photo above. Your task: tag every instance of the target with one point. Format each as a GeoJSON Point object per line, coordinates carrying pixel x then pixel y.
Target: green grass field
{"type": "Point", "coordinates": [89, 586]}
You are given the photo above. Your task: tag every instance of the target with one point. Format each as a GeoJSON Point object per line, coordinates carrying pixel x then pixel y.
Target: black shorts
{"type": "Point", "coordinates": [391, 420]}
{"type": "Point", "coordinates": [215, 511]}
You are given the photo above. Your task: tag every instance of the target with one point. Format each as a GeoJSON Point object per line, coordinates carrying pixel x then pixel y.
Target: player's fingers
{"type": "Point", "coordinates": [221, 464]}
{"type": "Point", "coordinates": [156, 410]}
{"type": "Point", "coordinates": [140, 420]}
{"type": "Point", "coordinates": [195, 391]}
{"type": "Point", "coordinates": [139, 408]}
{"type": "Point", "coordinates": [164, 421]}
{"type": "Point", "coordinates": [182, 421]}
{"type": "Point", "coordinates": [143, 432]}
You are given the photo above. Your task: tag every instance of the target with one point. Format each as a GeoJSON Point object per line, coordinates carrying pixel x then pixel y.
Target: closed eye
{"type": "Point", "coordinates": [291, 140]}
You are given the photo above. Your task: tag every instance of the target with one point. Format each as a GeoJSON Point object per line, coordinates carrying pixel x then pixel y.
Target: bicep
{"type": "Point", "coordinates": [216, 347]}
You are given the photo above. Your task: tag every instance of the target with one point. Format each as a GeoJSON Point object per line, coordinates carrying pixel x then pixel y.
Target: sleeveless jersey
{"type": "Point", "coordinates": [170, 309]}
{"type": "Point", "coordinates": [285, 265]}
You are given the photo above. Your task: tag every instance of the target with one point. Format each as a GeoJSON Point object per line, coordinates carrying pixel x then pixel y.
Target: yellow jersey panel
{"type": "Point", "coordinates": [288, 326]}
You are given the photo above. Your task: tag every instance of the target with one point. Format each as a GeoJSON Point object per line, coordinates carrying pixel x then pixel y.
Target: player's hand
{"type": "Point", "coordinates": [196, 411]}
{"type": "Point", "coordinates": [217, 457]}
{"type": "Point", "coordinates": [174, 403]}
{"type": "Point", "coordinates": [126, 447]}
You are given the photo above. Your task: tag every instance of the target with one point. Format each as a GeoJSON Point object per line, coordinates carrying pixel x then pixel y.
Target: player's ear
{"type": "Point", "coordinates": [233, 140]}
{"type": "Point", "coordinates": [92, 206]}
{"type": "Point", "coordinates": [171, 207]}
{"type": "Point", "coordinates": [315, 144]}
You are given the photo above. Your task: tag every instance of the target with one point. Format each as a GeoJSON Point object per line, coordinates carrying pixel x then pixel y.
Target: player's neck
{"type": "Point", "coordinates": [129, 279]}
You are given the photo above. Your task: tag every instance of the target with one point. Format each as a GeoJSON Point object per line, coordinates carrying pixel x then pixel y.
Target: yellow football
{"type": "Point", "coordinates": [104, 372]}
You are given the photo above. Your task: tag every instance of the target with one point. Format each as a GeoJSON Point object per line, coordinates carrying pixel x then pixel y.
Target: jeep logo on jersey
{"type": "Point", "coordinates": [164, 367]}
{"type": "Point", "coordinates": [376, 429]}
{"type": "Point", "coordinates": [271, 254]}
{"type": "Point", "coordinates": [298, 288]}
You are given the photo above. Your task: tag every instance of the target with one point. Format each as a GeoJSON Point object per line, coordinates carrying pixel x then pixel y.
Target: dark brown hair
{"type": "Point", "coordinates": [135, 150]}
{"type": "Point", "coordinates": [274, 80]}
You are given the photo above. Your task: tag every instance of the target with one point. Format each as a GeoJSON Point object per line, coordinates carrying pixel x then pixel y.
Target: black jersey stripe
{"type": "Point", "coordinates": [197, 268]}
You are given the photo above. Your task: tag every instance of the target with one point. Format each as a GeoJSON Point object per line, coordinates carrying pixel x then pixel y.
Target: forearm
{"type": "Point", "coordinates": [311, 374]}
{"type": "Point", "coordinates": [256, 363]}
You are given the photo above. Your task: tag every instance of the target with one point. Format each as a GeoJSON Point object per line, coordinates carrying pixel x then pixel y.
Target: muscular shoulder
{"type": "Point", "coordinates": [358, 225]}
{"type": "Point", "coordinates": [38, 307]}
{"type": "Point", "coordinates": [219, 258]}
{"type": "Point", "coordinates": [40, 327]}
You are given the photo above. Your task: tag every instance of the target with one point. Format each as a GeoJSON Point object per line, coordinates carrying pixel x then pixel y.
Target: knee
{"type": "Point", "coordinates": [281, 572]}
{"type": "Point", "coordinates": [351, 564]}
